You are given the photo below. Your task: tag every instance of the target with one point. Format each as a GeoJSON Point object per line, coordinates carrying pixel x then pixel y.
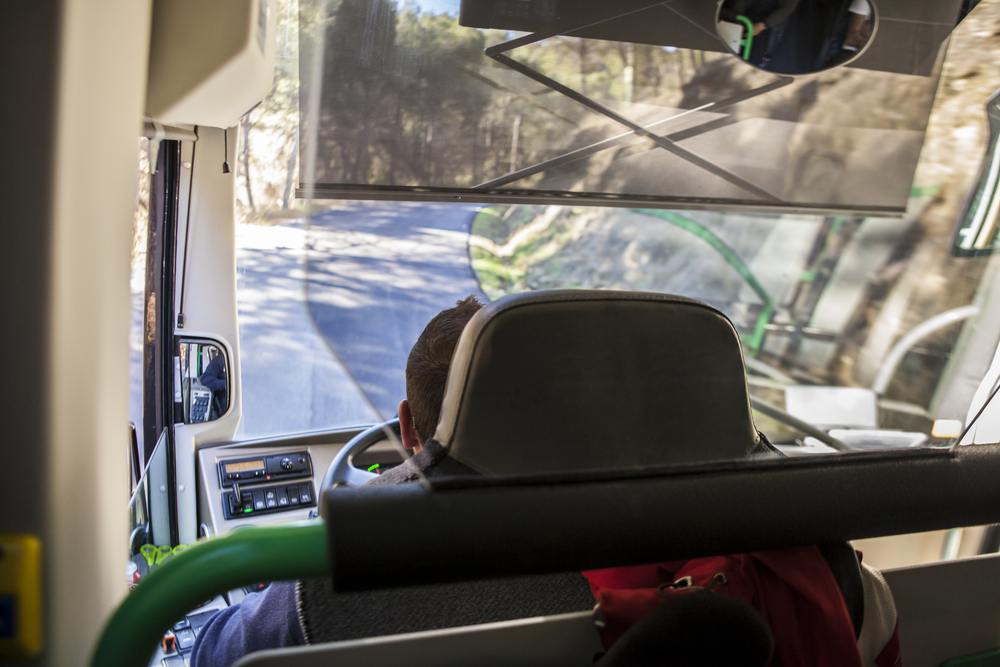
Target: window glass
{"type": "Point", "coordinates": [291, 382]}
{"type": "Point", "coordinates": [609, 102]}
{"type": "Point", "coordinates": [137, 286]}
{"type": "Point", "coordinates": [864, 327]}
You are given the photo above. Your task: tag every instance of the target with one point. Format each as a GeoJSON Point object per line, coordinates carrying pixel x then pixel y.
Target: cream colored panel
{"type": "Point", "coordinates": [210, 61]}
{"type": "Point", "coordinates": [100, 96]}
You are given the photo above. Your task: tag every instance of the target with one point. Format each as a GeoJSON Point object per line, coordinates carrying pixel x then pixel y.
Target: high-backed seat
{"type": "Point", "coordinates": [560, 381]}
{"type": "Point", "coordinates": [569, 380]}
{"type": "Point", "coordinates": [551, 382]}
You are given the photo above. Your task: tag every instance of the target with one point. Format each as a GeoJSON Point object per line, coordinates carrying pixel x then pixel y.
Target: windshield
{"type": "Point", "coordinates": [859, 332]}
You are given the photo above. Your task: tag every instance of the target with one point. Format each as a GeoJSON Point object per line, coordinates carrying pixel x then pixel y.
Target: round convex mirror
{"type": "Point", "coordinates": [796, 36]}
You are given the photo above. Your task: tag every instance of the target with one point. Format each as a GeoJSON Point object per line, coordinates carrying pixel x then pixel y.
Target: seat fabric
{"type": "Point", "coordinates": [569, 380]}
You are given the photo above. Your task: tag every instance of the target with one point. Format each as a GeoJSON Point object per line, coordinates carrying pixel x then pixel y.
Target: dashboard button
{"type": "Point", "coordinates": [293, 495]}
{"type": "Point", "coordinates": [185, 639]}
{"type": "Point", "coordinates": [305, 493]}
{"type": "Point", "coordinates": [282, 496]}
{"type": "Point", "coordinates": [258, 500]}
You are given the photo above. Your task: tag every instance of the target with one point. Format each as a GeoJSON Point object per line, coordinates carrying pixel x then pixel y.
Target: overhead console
{"type": "Point", "coordinates": [266, 484]}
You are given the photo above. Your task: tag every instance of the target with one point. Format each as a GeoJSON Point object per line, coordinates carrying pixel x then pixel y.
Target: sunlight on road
{"type": "Point", "coordinates": [291, 381]}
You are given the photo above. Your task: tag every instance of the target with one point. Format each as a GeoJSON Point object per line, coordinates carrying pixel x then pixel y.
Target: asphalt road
{"type": "Point", "coordinates": [377, 273]}
{"type": "Point", "coordinates": [328, 312]}
{"type": "Point", "coordinates": [291, 381]}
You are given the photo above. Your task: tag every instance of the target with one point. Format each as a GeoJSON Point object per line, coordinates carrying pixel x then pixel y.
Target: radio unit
{"type": "Point", "coordinates": [265, 468]}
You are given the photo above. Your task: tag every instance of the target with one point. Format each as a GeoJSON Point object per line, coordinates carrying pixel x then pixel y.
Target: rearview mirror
{"type": "Point", "coordinates": [976, 231]}
{"type": "Point", "coordinates": [796, 36]}
{"type": "Point", "coordinates": [201, 382]}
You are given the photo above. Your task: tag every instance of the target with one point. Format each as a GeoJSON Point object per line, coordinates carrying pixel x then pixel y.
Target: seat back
{"type": "Point", "coordinates": [565, 640]}
{"type": "Point", "coordinates": [567, 380]}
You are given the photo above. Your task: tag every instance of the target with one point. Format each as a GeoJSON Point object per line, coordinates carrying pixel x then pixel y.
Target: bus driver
{"type": "Point", "coordinates": [851, 619]}
{"type": "Point", "coordinates": [274, 617]}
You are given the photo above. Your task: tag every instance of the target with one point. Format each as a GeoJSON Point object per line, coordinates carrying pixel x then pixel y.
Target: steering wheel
{"type": "Point", "coordinates": [342, 470]}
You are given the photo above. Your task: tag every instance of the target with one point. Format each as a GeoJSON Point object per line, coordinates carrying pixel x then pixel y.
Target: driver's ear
{"type": "Point", "coordinates": [406, 430]}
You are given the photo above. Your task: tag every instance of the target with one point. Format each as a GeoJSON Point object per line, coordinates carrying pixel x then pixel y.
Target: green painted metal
{"type": "Point", "coordinates": [756, 339]}
{"type": "Point", "coordinates": [205, 569]}
{"type": "Point", "coordinates": [925, 191]}
{"type": "Point", "coordinates": [990, 658]}
{"type": "Point", "coordinates": [748, 40]}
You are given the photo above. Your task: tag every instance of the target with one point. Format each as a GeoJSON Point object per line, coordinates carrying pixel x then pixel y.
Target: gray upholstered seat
{"type": "Point", "coordinates": [563, 381]}
{"type": "Point", "coordinates": [570, 380]}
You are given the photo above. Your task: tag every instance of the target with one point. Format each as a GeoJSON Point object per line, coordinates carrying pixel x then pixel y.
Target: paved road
{"type": "Point", "coordinates": [291, 381]}
{"type": "Point", "coordinates": [378, 272]}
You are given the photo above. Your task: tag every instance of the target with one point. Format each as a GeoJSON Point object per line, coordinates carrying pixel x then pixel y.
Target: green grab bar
{"type": "Point", "coordinates": [205, 569]}
{"type": "Point", "coordinates": [749, 38]}
{"type": "Point", "coordinates": [756, 339]}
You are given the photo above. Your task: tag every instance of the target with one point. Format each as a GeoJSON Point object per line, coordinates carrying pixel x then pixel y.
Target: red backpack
{"type": "Point", "coordinates": [793, 590]}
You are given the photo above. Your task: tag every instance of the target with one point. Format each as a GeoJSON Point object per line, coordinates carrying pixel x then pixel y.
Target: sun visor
{"type": "Point", "coordinates": [636, 104]}
{"type": "Point", "coordinates": [209, 62]}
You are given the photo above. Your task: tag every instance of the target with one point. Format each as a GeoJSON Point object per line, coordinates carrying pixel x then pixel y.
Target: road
{"type": "Point", "coordinates": [329, 310]}
{"type": "Point", "coordinates": [291, 382]}
{"type": "Point", "coordinates": [378, 272]}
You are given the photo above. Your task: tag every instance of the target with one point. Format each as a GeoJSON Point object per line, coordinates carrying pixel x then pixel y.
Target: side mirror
{"type": "Point", "coordinates": [795, 36]}
{"type": "Point", "coordinates": [201, 381]}
{"type": "Point", "coordinates": [976, 231]}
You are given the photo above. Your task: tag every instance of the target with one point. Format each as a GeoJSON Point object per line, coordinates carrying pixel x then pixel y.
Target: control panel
{"type": "Point", "coordinates": [264, 468]}
{"type": "Point", "coordinates": [241, 502]}
{"type": "Point", "coordinates": [201, 403]}
{"type": "Point", "coordinates": [266, 484]}
{"type": "Point", "coordinates": [179, 640]}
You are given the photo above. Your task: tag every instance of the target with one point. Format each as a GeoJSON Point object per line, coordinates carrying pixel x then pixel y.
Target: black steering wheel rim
{"type": "Point", "coordinates": [342, 471]}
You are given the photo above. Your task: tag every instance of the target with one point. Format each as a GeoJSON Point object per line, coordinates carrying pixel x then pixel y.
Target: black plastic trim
{"type": "Point", "coordinates": [487, 531]}
{"type": "Point", "coordinates": [564, 198]}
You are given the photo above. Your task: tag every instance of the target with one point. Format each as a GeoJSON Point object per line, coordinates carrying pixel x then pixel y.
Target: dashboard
{"type": "Point", "coordinates": [254, 483]}
{"type": "Point", "coordinates": [276, 479]}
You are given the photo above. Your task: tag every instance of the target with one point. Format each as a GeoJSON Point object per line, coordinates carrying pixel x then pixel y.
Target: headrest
{"type": "Point", "coordinates": [567, 380]}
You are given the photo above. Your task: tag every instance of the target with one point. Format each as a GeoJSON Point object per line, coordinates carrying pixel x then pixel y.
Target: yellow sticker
{"type": "Point", "coordinates": [20, 597]}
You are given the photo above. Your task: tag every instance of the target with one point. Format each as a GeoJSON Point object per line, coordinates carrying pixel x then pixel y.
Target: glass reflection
{"type": "Point", "coordinates": [796, 36]}
{"type": "Point", "coordinates": [203, 393]}
{"type": "Point", "coordinates": [644, 105]}
{"type": "Point", "coordinates": [815, 299]}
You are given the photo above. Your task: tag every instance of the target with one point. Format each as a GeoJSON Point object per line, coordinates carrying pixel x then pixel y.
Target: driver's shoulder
{"type": "Point", "coordinates": [432, 461]}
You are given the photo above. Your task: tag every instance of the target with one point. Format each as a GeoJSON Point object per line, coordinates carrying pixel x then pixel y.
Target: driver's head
{"type": "Point", "coordinates": [427, 372]}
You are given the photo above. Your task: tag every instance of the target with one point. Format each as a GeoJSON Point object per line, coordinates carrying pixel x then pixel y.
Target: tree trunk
{"type": "Point", "coordinates": [629, 71]}
{"type": "Point", "coordinates": [513, 143]}
{"type": "Point", "coordinates": [246, 160]}
{"type": "Point", "coordinates": [291, 172]}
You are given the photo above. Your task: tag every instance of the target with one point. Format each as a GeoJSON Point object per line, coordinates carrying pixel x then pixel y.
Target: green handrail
{"type": "Point", "coordinates": [756, 339]}
{"type": "Point", "coordinates": [748, 40]}
{"type": "Point", "coordinates": [283, 552]}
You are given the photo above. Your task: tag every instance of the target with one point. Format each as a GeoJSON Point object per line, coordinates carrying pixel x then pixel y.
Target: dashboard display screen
{"type": "Point", "coordinates": [243, 466]}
